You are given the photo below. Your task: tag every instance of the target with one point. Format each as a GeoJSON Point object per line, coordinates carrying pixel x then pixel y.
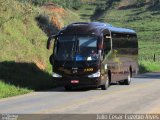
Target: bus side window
{"type": "Point", "coordinates": [116, 38]}
{"type": "Point", "coordinates": [129, 41]}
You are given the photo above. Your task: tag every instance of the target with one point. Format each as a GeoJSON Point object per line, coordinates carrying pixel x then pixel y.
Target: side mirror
{"type": "Point", "coordinates": [51, 59]}
{"type": "Point", "coordinates": [107, 36]}
{"type": "Point", "coordinates": [49, 41]}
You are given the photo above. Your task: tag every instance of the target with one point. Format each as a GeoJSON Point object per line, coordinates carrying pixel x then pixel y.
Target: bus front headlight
{"type": "Point", "coordinates": [56, 75]}
{"type": "Point", "coordinates": [94, 75]}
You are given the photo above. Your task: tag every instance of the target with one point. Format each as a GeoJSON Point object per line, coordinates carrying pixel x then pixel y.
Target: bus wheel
{"type": "Point", "coordinates": [68, 88]}
{"type": "Point", "coordinates": [128, 80]}
{"type": "Point", "coordinates": [106, 85]}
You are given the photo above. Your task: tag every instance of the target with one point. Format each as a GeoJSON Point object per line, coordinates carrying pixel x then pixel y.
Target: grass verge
{"type": "Point", "coordinates": [8, 90]}
{"type": "Point", "coordinates": [149, 66]}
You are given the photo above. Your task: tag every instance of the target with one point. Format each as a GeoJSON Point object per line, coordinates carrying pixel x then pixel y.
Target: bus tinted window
{"type": "Point", "coordinates": [78, 47]}
{"type": "Point", "coordinates": [124, 40]}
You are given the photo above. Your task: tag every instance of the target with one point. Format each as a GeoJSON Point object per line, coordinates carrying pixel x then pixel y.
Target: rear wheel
{"type": "Point", "coordinates": [128, 80]}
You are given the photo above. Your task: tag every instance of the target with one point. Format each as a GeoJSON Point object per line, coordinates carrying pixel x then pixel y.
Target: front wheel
{"type": "Point", "coordinates": [106, 85]}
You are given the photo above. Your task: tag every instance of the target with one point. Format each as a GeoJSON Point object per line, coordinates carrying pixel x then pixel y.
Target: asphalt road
{"type": "Point", "coordinates": [142, 96]}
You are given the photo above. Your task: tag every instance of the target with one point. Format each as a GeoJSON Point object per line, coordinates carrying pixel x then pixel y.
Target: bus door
{"type": "Point", "coordinates": [106, 54]}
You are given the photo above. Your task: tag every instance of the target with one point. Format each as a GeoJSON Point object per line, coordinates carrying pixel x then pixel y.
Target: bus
{"type": "Point", "coordinates": [93, 54]}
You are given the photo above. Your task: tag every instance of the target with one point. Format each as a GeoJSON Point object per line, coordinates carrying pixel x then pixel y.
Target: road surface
{"type": "Point", "coordinates": [142, 96]}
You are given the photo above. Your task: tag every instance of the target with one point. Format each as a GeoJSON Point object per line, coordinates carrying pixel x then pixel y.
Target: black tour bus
{"type": "Point", "coordinates": [93, 54]}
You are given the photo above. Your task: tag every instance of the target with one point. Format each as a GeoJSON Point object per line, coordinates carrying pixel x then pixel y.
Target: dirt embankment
{"type": "Point", "coordinates": [56, 13]}
{"type": "Point", "coordinates": [50, 22]}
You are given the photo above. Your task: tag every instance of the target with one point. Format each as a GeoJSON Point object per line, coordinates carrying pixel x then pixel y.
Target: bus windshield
{"type": "Point", "coordinates": [76, 47]}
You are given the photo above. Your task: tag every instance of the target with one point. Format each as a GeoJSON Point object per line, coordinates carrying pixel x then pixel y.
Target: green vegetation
{"type": "Point", "coordinates": [24, 64]}
{"type": "Point", "coordinates": [8, 90]}
{"type": "Point", "coordinates": [149, 66]}
{"type": "Point", "coordinates": [75, 4]}
{"type": "Point", "coordinates": [21, 42]}
{"type": "Point", "coordinates": [25, 25]}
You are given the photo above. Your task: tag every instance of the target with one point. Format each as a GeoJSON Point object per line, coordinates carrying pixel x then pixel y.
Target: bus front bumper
{"type": "Point", "coordinates": [78, 81]}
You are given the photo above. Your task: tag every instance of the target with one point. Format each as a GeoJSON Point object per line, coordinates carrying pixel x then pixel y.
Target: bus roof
{"type": "Point", "coordinates": [96, 26]}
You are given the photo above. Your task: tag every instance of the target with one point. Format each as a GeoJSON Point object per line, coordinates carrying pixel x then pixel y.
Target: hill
{"type": "Point", "coordinates": [24, 64]}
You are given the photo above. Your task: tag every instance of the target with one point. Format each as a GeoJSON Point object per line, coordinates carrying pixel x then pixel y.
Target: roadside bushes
{"type": "Point", "coordinates": [74, 4]}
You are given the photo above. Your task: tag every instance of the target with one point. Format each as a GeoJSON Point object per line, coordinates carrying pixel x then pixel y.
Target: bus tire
{"type": "Point", "coordinates": [128, 80]}
{"type": "Point", "coordinates": [106, 85]}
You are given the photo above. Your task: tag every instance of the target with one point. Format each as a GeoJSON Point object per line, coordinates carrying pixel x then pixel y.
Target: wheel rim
{"type": "Point", "coordinates": [107, 82]}
{"type": "Point", "coordinates": [129, 78]}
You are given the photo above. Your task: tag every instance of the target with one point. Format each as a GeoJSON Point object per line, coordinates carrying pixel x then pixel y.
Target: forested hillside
{"type": "Point", "coordinates": [26, 24]}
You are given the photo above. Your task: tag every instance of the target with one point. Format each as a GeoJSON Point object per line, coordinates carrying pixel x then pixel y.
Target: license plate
{"type": "Point", "coordinates": [74, 81]}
